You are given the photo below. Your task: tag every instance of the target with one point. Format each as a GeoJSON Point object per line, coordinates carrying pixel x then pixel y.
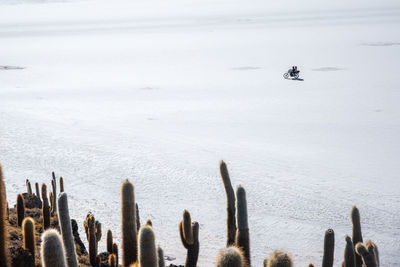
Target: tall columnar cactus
{"type": "Point", "coordinates": [375, 250]}
{"type": "Point", "coordinates": [368, 254]}
{"type": "Point", "coordinates": [115, 252]}
{"type": "Point", "coordinates": [4, 257]}
{"type": "Point", "coordinates": [230, 206]}
{"type": "Point", "coordinates": [230, 257]}
{"type": "Point", "coordinates": [137, 217]}
{"type": "Point", "coordinates": [279, 259]}
{"type": "Point", "coordinates": [90, 228]}
{"type": "Point", "coordinates": [52, 250]}
{"type": "Point", "coordinates": [98, 231]}
{"type": "Point", "coordinates": [109, 241]}
{"type": "Point", "coordinates": [357, 235]}
{"type": "Point", "coordinates": [147, 247]}
{"type": "Point", "coordinates": [129, 230]}
{"type": "Point", "coordinates": [192, 248]}
{"type": "Point", "coordinates": [54, 185]}
{"type": "Point", "coordinates": [28, 234]}
{"type": "Point", "coordinates": [37, 190]}
{"type": "Point", "coordinates": [242, 236]}
{"type": "Point", "coordinates": [66, 230]}
{"type": "Point", "coordinates": [20, 209]}
{"type": "Point", "coordinates": [51, 202]}
{"type": "Point", "coordinates": [187, 227]}
{"type": "Point", "coordinates": [61, 185]}
{"type": "Point", "coordinates": [160, 255]}
{"type": "Point", "coordinates": [329, 248]}
{"type": "Point", "coordinates": [349, 256]}
{"type": "Point", "coordinates": [28, 187]}
{"type": "Point", "coordinates": [112, 261]}
{"type": "Point", "coordinates": [45, 208]}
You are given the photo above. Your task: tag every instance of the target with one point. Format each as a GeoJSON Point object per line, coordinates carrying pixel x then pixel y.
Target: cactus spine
{"type": "Point", "coordinates": [230, 206]}
{"type": "Point", "coordinates": [45, 208]}
{"type": "Point", "coordinates": [192, 249]}
{"type": "Point", "coordinates": [329, 248]}
{"type": "Point", "coordinates": [349, 256]}
{"type": "Point", "coordinates": [147, 247]}
{"type": "Point", "coordinates": [279, 259]}
{"type": "Point", "coordinates": [28, 234]}
{"type": "Point", "coordinates": [37, 190]}
{"type": "Point", "coordinates": [4, 259]}
{"type": "Point", "coordinates": [160, 255]}
{"type": "Point", "coordinates": [109, 241]}
{"type": "Point", "coordinates": [129, 230]}
{"type": "Point", "coordinates": [61, 185]}
{"type": "Point", "coordinates": [242, 236]}
{"type": "Point", "coordinates": [52, 251]}
{"type": "Point", "coordinates": [28, 187]}
{"type": "Point", "coordinates": [357, 235]}
{"type": "Point", "coordinates": [230, 257]}
{"type": "Point", "coordinates": [20, 209]}
{"type": "Point", "coordinates": [66, 230]}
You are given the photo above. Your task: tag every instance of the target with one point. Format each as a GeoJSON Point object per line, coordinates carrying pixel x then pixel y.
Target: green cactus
{"type": "Point", "coordinates": [28, 187]}
{"type": "Point", "coordinates": [109, 241]}
{"type": "Point", "coordinates": [115, 252]}
{"type": "Point", "coordinates": [329, 248]}
{"type": "Point", "coordinates": [160, 255]}
{"type": "Point", "coordinates": [111, 260]}
{"type": "Point", "coordinates": [61, 185]}
{"type": "Point", "coordinates": [242, 236]}
{"type": "Point", "coordinates": [20, 209]}
{"type": "Point", "coordinates": [4, 240]}
{"type": "Point", "coordinates": [90, 228]}
{"type": "Point", "coordinates": [66, 230]}
{"type": "Point", "coordinates": [147, 247]}
{"type": "Point", "coordinates": [279, 259]}
{"type": "Point", "coordinates": [349, 256]}
{"type": "Point", "coordinates": [52, 250]}
{"type": "Point", "coordinates": [357, 235]}
{"type": "Point", "coordinates": [368, 254]}
{"type": "Point", "coordinates": [37, 191]}
{"type": "Point", "coordinates": [129, 229]}
{"type": "Point", "coordinates": [28, 235]}
{"type": "Point", "coordinates": [230, 257]}
{"type": "Point", "coordinates": [45, 208]}
{"type": "Point", "coordinates": [230, 206]}
{"type": "Point", "coordinates": [192, 249]}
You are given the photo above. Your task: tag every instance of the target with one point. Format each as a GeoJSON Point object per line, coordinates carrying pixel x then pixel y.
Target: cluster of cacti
{"type": "Point", "coordinates": [139, 248]}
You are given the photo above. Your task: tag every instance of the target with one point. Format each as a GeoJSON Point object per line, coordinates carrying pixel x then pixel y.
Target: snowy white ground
{"type": "Point", "coordinates": [159, 91]}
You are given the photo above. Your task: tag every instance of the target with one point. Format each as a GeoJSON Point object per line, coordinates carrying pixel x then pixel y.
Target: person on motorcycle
{"type": "Point", "coordinates": [294, 71]}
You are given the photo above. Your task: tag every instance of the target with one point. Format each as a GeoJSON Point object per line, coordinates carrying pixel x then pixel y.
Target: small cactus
{"type": "Point", "coordinates": [20, 209]}
{"type": "Point", "coordinates": [28, 234]}
{"type": "Point", "coordinates": [45, 208]}
{"type": "Point", "coordinates": [147, 247]}
{"type": "Point", "coordinates": [4, 246]}
{"type": "Point", "coordinates": [115, 252]}
{"type": "Point", "coordinates": [279, 259]}
{"type": "Point", "coordinates": [52, 250]}
{"type": "Point", "coordinates": [349, 256]}
{"type": "Point", "coordinates": [329, 248]}
{"type": "Point", "coordinates": [112, 261]}
{"type": "Point", "coordinates": [357, 235]}
{"type": "Point", "coordinates": [187, 227]}
{"type": "Point", "coordinates": [367, 252]}
{"type": "Point", "coordinates": [51, 202]}
{"type": "Point", "coordinates": [137, 218]}
{"type": "Point", "coordinates": [54, 198]}
{"type": "Point", "coordinates": [192, 249]}
{"type": "Point", "coordinates": [37, 191]}
{"type": "Point", "coordinates": [230, 206]}
{"type": "Point", "coordinates": [61, 185]}
{"type": "Point", "coordinates": [28, 187]}
{"type": "Point", "coordinates": [129, 229]}
{"type": "Point", "coordinates": [109, 241]}
{"type": "Point", "coordinates": [66, 230]}
{"type": "Point", "coordinates": [230, 257]}
{"type": "Point", "coordinates": [90, 228]}
{"type": "Point", "coordinates": [242, 236]}
{"type": "Point", "coordinates": [160, 255]}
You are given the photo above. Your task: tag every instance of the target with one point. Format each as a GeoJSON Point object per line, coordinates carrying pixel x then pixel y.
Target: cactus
{"type": "Point", "coordinates": [52, 250]}
{"type": "Point", "coordinates": [54, 198]}
{"type": "Point", "coordinates": [4, 258]}
{"type": "Point", "coordinates": [230, 257]}
{"type": "Point", "coordinates": [28, 234]}
{"type": "Point", "coordinates": [45, 208]}
{"type": "Point", "coordinates": [66, 230]}
{"type": "Point", "coordinates": [109, 240]}
{"type": "Point", "coordinates": [329, 248]}
{"type": "Point", "coordinates": [367, 253]}
{"type": "Point", "coordinates": [98, 261]}
{"type": "Point", "coordinates": [357, 235]}
{"type": "Point", "coordinates": [28, 187]}
{"type": "Point", "coordinates": [160, 255]}
{"type": "Point", "coordinates": [192, 249]}
{"type": "Point", "coordinates": [20, 209]}
{"type": "Point", "coordinates": [137, 218]}
{"type": "Point", "coordinates": [90, 228]}
{"type": "Point", "coordinates": [61, 185]}
{"type": "Point", "coordinates": [375, 249]}
{"type": "Point", "coordinates": [242, 236]}
{"type": "Point", "coordinates": [115, 252]}
{"type": "Point", "coordinates": [147, 247]}
{"type": "Point", "coordinates": [37, 191]}
{"type": "Point", "coordinates": [129, 230]}
{"type": "Point", "coordinates": [111, 260]}
{"type": "Point", "coordinates": [230, 206]}
{"type": "Point", "coordinates": [51, 202]}
{"type": "Point", "coordinates": [349, 256]}
{"type": "Point", "coordinates": [98, 231]}
{"type": "Point", "coordinates": [187, 227]}
{"type": "Point", "coordinates": [279, 259]}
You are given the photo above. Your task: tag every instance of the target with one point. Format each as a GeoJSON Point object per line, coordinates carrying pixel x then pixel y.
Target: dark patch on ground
{"type": "Point", "coordinates": [381, 44]}
{"type": "Point", "coordinates": [11, 67]}
{"type": "Point", "coordinates": [246, 68]}
{"type": "Point", "coordinates": [327, 69]}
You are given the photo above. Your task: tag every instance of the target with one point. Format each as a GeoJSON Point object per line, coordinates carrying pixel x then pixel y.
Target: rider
{"type": "Point", "coordinates": [294, 71]}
